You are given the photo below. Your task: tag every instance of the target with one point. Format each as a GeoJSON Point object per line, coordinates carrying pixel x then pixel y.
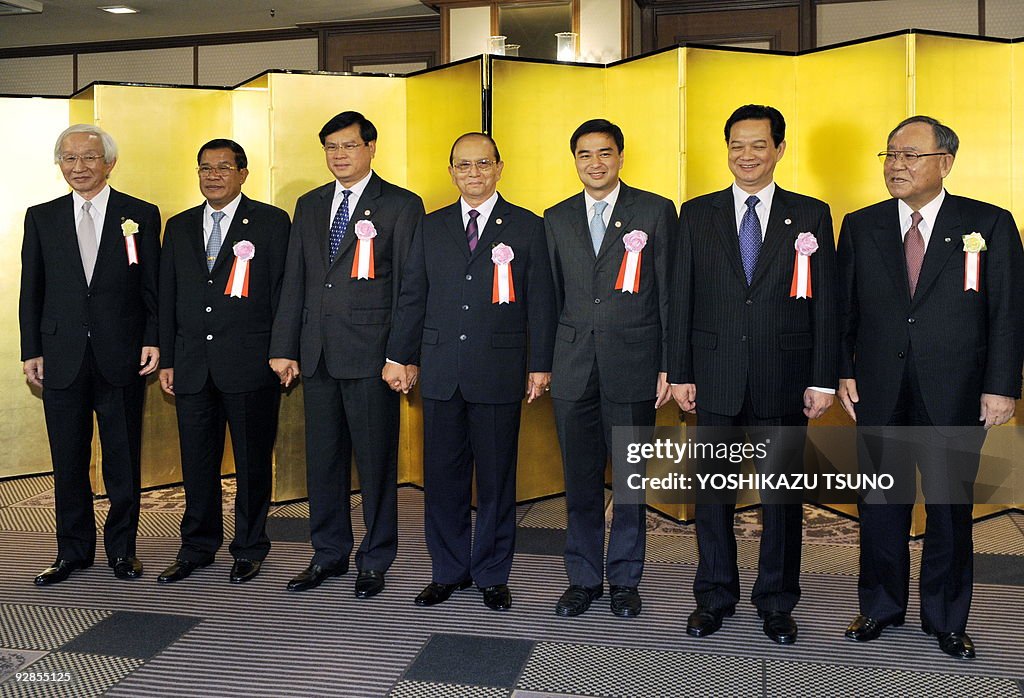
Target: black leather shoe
{"type": "Point", "coordinates": [497, 597]}
{"type": "Point", "coordinates": [243, 570]}
{"type": "Point", "coordinates": [779, 626]}
{"type": "Point", "coordinates": [127, 567]}
{"type": "Point", "coordinates": [314, 575]}
{"type": "Point", "coordinates": [179, 570]}
{"type": "Point", "coordinates": [369, 583]}
{"type": "Point", "coordinates": [704, 621]}
{"type": "Point", "coordinates": [435, 592]}
{"type": "Point", "coordinates": [865, 629]}
{"type": "Point", "coordinates": [576, 599]}
{"type": "Point", "coordinates": [957, 645]}
{"type": "Point", "coordinates": [59, 571]}
{"type": "Point", "coordinates": [626, 601]}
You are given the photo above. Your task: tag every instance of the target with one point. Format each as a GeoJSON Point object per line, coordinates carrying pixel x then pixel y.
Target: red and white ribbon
{"type": "Point", "coordinates": [362, 262]}
{"type": "Point", "coordinates": [133, 252]}
{"type": "Point", "coordinates": [628, 280]}
{"type": "Point", "coordinates": [503, 290]}
{"type": "Point", "coordinates": [238, 280]}
{"type": "Point", "coordinates": [972, 270]}
{"type": "Point", "coordinates": [805, 245]}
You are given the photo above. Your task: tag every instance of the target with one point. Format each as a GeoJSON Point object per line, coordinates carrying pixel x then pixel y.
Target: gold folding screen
{"type": "Point", "coordinates": [839, 103]}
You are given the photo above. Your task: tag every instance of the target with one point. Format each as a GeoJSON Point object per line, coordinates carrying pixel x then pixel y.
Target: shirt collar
{"type": "Point", "coordinates": [485, 208]}
{"type": "Point", "coordinates": [228, 211]}
{"type": "Point", "coordinates": [356, 189]}
{"type": "Point", "coordinates": [99, 202]}
{"type": "Point", "coordinates": [612, 197]}
{"type": "Point", "coordinates": [764, 196]}
{"type": "Point", "coordinates": [929, 212]}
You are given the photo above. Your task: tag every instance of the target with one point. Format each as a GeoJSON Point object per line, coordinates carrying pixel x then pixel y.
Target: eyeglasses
{"type": "Point", "coordinates": [465, 165]}
{"type": "Point", "coordinates": [221, 170]}
{"type": "Point", "coordinates": [86, 159]}
{"type": "Point", "coordinates": [890, 156]}
{"type": "Point", "coordinates": [332, 148]}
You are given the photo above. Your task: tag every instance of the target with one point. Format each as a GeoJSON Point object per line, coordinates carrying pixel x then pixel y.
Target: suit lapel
{"type": "Point", "coordinates": [724, 223]}
{"type": "Point", "coordinates": [779, 224]}
{"type": "Point", "coordinates": [618, 222]}
{"type": "Point", "coordinates": [367, 202]}
{"type": "Point", "coordinates": [581, 222]}
{"type": "Point", "coordinates": [943, 241]}
{"type": "Point", "coordinates": [111, 237]}
{"type": "Point", "coordinates": [237, 230]}
{"type": "Point", "coordinates": [890, 243]}
{"type": "Point", "coordinates": [456, 231]}
{"type": "Point", "coordinates": [196, 236]}
{"type": "Point", "coordinates": [322, 222]}
{"type": "Point", "coordinates": [65, 225]}
{"type": "Point", "coordinates": [494, 228]}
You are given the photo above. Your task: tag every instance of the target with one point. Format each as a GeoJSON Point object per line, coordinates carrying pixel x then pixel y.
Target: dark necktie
{"type": "Point", "coordinates": [913, 248]}
{"type": "Point", "coordinates": [339, 225]}
{"type": "Point", "coordinates": [213, 246]}
{"type": "Point", "coordinates": [750, 238]}
{"type": "Point", "coordinates": [472, 230]}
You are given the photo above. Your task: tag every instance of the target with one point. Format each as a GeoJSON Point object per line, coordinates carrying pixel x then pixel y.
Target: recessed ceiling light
{"type": "Point", "coordinates": [119, 9]}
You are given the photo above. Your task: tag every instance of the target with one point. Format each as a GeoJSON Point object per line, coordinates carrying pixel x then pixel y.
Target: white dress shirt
{"type": "Point", "coordinates": [612, 197]}
{"type": "Point", "coordinates": [762, 209]}
{"type": "Point", "coordinates": [353, 198]}
{"type": "Point", "coordinates": [99, 210]}
{"type": "Point", "coordinates": [225, 222]}
{"type": "Point", "coordinates": [929, 212]}
{"type": "Point", "coordinates": [485, 209]}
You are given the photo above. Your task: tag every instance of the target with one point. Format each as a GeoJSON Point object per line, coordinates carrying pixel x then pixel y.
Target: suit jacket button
{"type": "Point", "coordinates": [328, 285]}
{"type": "Point", "coordinates": [597, 301]}
{"type": "Point", "coordinates": [743, 338]}
{"type": "Point", "coordinates": [209, 282]}
{"type": "Point", "coordinates": [911, 320]}
{"type": "Point", "coordinates": [749, 302]}
{"type": "Point", "coordinates": [900, 355]}
{"type": "Point", "coordinates": [469, 277]}
{"type": "Point", "coordinates": [209, 309]}
{"type": "Point", "coordinates": [462, 338]}
{"type": "Point", "coordinates": [209, 337]}
{"type": "Point", "coordinates": [465, 307]}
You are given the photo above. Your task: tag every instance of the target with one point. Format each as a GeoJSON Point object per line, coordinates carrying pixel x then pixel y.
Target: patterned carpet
{"type": "Point", "coordinates": [96, 635]}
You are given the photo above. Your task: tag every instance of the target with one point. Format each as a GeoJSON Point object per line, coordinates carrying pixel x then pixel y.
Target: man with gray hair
{"type": "Point", "coordinates": [88, 314]}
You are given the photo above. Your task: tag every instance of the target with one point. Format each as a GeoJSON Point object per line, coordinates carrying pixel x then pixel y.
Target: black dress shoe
{"type": "Point", "coordinates": [497, 597]}
{"type": "Point", "coordinates": [243, 570]}
{"type": "Point", "coordinates": [865, 629]}
{"type": "Point", "coordinates": [958, 645]}
{"type": "Point", "coordinates": [59, 571]}
{"type": "Point", "coordinates": [180, 569]}
{"type": "Point", "coordinates": [576, 599]}
{"type": "Point", "coordinates": [704, 621]}
{"type": "Point", "coordinates": [435, 592]}
{"type": "Point", "coordinates": [626, 601]}
{"type": "Point", "coordinates": [779, 626]}
{"type": "Point", "coordinates": [369, 583]}
{"type": "Point", "coordinates": [314, 575]}
{"type": "Point", "coordinates": [127, 567]}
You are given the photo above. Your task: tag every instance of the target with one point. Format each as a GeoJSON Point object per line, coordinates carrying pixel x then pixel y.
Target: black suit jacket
{"type": "Point", "coordinates": [116, 312]}
{"type": "Point", "coordinates": [446, 320]}
{"type": "Point", "coordinates": [626, 332]}
{"type": "Point", "coordinates": [205, 332]}
{"type": "Point", "coordinates": [964, 343]}
{"type": "Point", "coordinates": [727, 335]}
{"type": "Point", "coordinates": [325, 311]}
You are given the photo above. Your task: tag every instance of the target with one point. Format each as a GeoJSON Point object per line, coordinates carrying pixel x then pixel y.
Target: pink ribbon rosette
{"type": "Point", "coordinates": [503, 291]}
{"type": "Point", "coordinates": [238, 280]}
{"type": "Point", "coordinates": [629, 272]}
{"type": "Point", "coordinates": [806, 245]}
{"type": "Point", "coordinates": [362, 263]}
{"type": "Point", "coordinates": [128, 230]}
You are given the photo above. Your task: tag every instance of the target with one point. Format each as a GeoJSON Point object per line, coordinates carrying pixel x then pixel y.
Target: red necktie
{"type": "Point", "coordinates": [913, 248]}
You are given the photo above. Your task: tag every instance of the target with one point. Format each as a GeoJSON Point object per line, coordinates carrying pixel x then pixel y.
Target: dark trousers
{"type": "Point", "coordinates": [69, 414]}
{"type": "Point", "coordinates": [252, 418]}
{"type": "Point", "coordinates": [948, 467]}
{"type": "Point", "coordinates": [777, 587]}
{"type": "Point", "coordinates": [585, 435]}
{"type": "Point", "coordinates": [346, 416]}
{"type": "Point", "coordinates": [456, 435]}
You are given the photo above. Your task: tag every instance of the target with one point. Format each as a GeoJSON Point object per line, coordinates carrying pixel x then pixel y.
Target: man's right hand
{"type": "Point", "coordinates": [167, 380]}
{"type": "Point", "coordinates": [398, 377]}
{"type": "Point", "coordinates": [287, 370]}
{"type": "Point", "coordinates": [685, 395]}
{"type": "Point", "coordinates": [33, 369]}
{"type": "Point", "coordinates": [848, 396]}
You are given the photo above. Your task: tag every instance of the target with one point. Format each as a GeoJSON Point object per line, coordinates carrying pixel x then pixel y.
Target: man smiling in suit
{"type": "Point", "coordinates": [220, 280]}
{"type": "Point", "coordinates": [610, 359]}
{"type": "Point", "coordinates": [347, 248]}
{"type": "Point", "coordinates": [755, 358]}
{"type": "Point", "coordinates": [88, 315]}
{"type": "Point", "coordinates": [932, 336]}
{"type": "Point", "coordinates": [476, 315]}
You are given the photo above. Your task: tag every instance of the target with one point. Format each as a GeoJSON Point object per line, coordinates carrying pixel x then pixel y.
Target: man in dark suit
{"type": "Point", "coordinates": [476, 316]}
{"type": "Point", "coordinates": [348, 244]}
{"type": "Point", "coordinates": [88, 315]}
{"type": "Point", "coordinates": [755, 355]}
{"type": "Point", "coordinates": [220, 280]}
{"type": "Point", "coordinates": [610, 359]}
{"type": "Point", "coordinates": [932, 336]}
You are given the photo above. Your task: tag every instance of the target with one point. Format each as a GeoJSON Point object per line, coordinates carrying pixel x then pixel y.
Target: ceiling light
{"type": "Point", "coordinates": [20, 7]}
{"type": "Point", "coordinates": [119, 9]}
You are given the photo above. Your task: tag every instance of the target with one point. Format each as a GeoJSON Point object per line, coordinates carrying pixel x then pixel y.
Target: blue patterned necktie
{"type": "Point", "coordinates": [750, 238]}
{"type": "Point", "coordinates": [213, 246]}
{"type": "Point", "coordinates": [339, 225]}
{"type": "Point", "coordinates": [597, 226]}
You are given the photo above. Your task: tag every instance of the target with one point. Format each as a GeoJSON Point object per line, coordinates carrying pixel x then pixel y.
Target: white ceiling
{"type": "Point", "coordinates": [78, 21]}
